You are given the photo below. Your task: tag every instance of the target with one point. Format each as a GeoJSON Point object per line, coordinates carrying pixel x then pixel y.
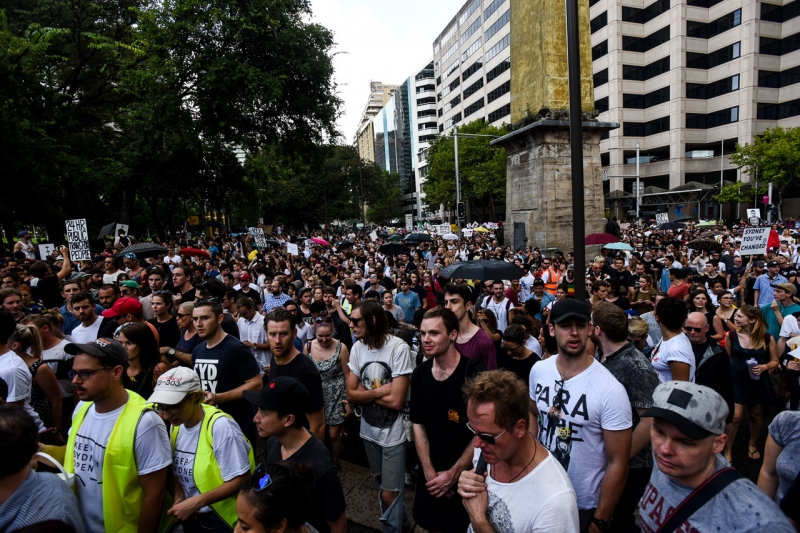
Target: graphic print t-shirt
{"type": "Point", "coordinates": [376, 368]}
{"type": "Point", "coordinates": [572, 417]}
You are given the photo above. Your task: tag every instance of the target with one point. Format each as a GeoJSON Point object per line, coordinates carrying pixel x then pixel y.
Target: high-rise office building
{"type": "Point", "coordinates": [472, 65]}
{"type": "Point", "coordinates": [687, 80]}
{"type": "Point", "coordinates": [379, 95]}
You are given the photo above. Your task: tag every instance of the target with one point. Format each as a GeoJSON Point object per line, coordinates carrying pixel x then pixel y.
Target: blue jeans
{"type": "Point", "coordinates": [387, 464]}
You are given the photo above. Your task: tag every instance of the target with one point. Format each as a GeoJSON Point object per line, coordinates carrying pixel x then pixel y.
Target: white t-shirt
{"type": "Point", "coordinates": [591, 402]}
{"type": "Point", "coordinates": [253, 331]}
{"type": "Point", "coordinates": [151, 449]}
{"type": "Point", "coordinates": [789, 328]}
{"type": "Point", "coordinates": [500, 311]}
{"type": "Point", "coordinates": [57, 353]}
{"type": "Point", "coordinates": [376, 368]}
{"type": "Point", "coordinates": [19, 380]}
{"type": "Point", "coordinates": [112, 278]}
{"type": "Point", "coordinates": [230, 451]}
{"type": "Point", "coordinates": [543, 501]}
{"type": "Point", "coordinates": [82, 334]}
{"type": "Point", "coordinates": [533, 345]}
{"type": "Point", "coordinates": [679, 349]}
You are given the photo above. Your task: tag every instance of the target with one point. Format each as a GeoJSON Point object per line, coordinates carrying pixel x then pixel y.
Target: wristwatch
{"type": "Point", "coordinates": [602, 525]}
{"type": "Point", "coordinates": [171, 353]}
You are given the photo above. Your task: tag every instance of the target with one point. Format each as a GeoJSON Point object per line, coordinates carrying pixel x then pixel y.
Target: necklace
{"type": "Point", "coordinates": [535, 449]}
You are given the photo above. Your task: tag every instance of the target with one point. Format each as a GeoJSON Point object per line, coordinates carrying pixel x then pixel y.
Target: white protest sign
{"type": "Point", "coordinates": [291, 248]}
{"type": "Point", "coordinates": [754, 241]}
{"type": "Point", "coordinates": [754, 213]}
{"type": "Point", "coordinates": [374, 235]}
{"type": "Point", "coordinates": [45, 250]}
{"type": "Point", "coordinates": [258, 235]}
{"type": "Point", "coordinates": [467, 232]}
{"type": "Point", "coordinates": [78, 240]}
{"type": "Point", "coordinates": [443, 229]}
{"type": "Point", "coordinates": [662, 218]}
{"type": "Point", "coordinates": [409, 222]}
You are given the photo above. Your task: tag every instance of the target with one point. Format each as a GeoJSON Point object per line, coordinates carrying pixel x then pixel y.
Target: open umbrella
{"type": "Point", "coordinates": [670, 225]}
{"type": "Point", "coordinates": [707, 224]}
{"type": "Point", "coordinates": [106, 230]}
{"type": "Point", "coordinates": [216, 224]}
{"type": "Point", "coordinates": [344, 245]}
{"type": "Point", "coordinates": [481, 229]}
{"type": "Point", "coordinates": [703, 243]}
{"type": "Point", "coordinates": [686, 219]}
{"type": "Point", "coordinates": [450, 237]}
{"type": "Point", "coordinates": [416, 238]}
{"type": "Point", "coordinates": [600, 238]}
{"type": "Point", "coordinates": [394, 248]}
{"type": "Point", "coordinates": [482, 269]}
{"type": "Point", "coordinates": [193, 252]}
{"type": "Point", "coordinates": [321, 242]}
{"type": "Point", "coordinates": [618, 246]}
{"type": "Point", "coordinates": [144, 249]}
{"type": "Point", "coordinates": [396, 237]}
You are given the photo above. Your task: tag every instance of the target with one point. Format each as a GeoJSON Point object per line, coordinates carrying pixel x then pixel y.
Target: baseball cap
{"type": "Point", "coordinates": [129, 283]}
{"type": "Point", "coordinates": [22, 233]}
{"type": "Point", "coordinates": [570, 267]}
{"type": "Point", "coordinates": [123, 306]}
{"type": "Point", "coordinates": [131, 255]}
{"type": "Point", "coordinates": [569, 308]}
{"type": "Point", "coordinates": [245, 276]}
{"type": "Point", "coordinates": [773, 264]}
{"type": "Point", "coordinates": [538, 281]}
{"type": "Point", "coordinates": [788, 287]}
{"type": "Point", "coordinates": [283, 394]}
{"type": "Point", "coordinates": [173, 385]}
{"type": "Point", "coordinates": [759, 264]}
{"type": "Point", "coordinates": [695, 410]}
{"type": "Point", "coordinates": [101, 348]}
{"type": "Point", "coordinates": [80, 275]}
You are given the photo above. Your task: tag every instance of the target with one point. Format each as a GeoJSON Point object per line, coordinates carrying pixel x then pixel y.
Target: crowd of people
{"type": "Point", "coordinates": [211, 392]}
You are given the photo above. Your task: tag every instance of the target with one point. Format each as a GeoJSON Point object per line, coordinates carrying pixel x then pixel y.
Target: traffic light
{"type": "Point", "coordinates": [462, 210]}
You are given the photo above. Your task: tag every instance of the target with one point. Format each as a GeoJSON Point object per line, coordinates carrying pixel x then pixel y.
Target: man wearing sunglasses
{"type": "Point", "coordinates": [518, 485]}
{"type": "Point", "coordinates": [713, 368]}
{"type": "Point", "coordinates": [118, 447]}
{"type": "Point", "coordinates": [581, 413]}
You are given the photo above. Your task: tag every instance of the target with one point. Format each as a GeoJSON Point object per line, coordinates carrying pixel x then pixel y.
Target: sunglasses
{"type": "Point", "coordinates": [485, 437]}
{"type": "Point", "coordinates": [324, 319]}
{"type": "Point", "coordinates": [170, 409]}
{"type": "Point", "coordinates": [689, 328]}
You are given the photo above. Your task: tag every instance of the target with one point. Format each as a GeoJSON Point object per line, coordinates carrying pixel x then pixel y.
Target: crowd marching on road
{"type": "Point", "coordinates": [161, 390]}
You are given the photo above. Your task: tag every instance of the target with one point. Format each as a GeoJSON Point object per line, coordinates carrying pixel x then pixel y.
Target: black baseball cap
{"type": "Point", "coordinates": [773, 264]}
{"type": "Point", "coordinates": [285, 395]}
{"type": "Point", "coordinates": [569, 308]}
{"type": "Point", "coordinates": [101, 348]}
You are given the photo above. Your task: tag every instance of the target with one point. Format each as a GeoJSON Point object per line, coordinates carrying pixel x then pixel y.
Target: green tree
{"type": "Point", "coordinates": [482, 169]}
{"type": "Point", "coordinates": [773, 157]}
{"type": "Point", "coordinates": [385, 198]}
{"type": "Point", "coordinates": [740, 192]}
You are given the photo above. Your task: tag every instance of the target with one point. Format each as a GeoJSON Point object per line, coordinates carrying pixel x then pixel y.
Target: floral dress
{"type": "Point", "coordinates": [333, 386]}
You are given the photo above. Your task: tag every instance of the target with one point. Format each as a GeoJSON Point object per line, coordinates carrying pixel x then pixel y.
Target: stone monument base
{"type": "Point", "coordinates": [539, 186]}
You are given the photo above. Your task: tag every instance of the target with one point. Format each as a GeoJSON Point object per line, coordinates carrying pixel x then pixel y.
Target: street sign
{"type": "Point", "coordinates": [605, 174]}
{"type": "Point", "coordinates": [409, 222]}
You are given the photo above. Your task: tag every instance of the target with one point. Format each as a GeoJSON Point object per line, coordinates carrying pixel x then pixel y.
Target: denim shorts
{"type": "Point", "coordinates": [387, 464]}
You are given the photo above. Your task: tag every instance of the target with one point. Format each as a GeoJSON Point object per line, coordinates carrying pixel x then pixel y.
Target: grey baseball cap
{"type": "Point", "coordinates": [696, 410]}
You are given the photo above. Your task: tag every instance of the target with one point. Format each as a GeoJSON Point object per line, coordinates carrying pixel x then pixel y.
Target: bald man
{"type": "Point", "coordinates": [713, 364]}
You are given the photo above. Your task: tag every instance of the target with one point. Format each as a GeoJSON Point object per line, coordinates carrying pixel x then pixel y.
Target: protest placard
{"type": "Point", "coordinates": [754, 213]}
{"type": "Point", "coordinates": [754, 241]}
{"type": "Point", "coordinates": [374, 235]}
{"type": "Point", "coordinates": [78, 240]}
{"type": "Point", "coordinates": [291, 248]}
{"type": "Point", "coordinates": [45, 250]}
{"type": "Point", "coordinates": [467, 232]}
{"type": "Point", "coordinates": [443, 229]}
{"type": "Point", "coordinates": [662, 218]}
{"type": "Point", "coordinates": [409, 222]}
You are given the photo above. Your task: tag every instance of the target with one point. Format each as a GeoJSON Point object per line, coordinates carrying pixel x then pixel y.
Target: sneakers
{"type": "Point", "coordinates": [409, 481]}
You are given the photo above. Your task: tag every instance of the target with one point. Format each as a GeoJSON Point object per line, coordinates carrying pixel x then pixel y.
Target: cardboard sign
{"type": "Point", "coordinates": [45, 250]}
{"type": "Point", "coordinates": [291, 248]}
{"type": "Point", "coordinates": [121, 235]}
{"type": "Point", "coordinates": [78, 240]}
{"type": "Point", "coordinates": [258, 235]}
{"type": "Point", "coordinates": [466, 232]}
{"type": "Point", "coordinates": [442, 229]}
{"type": "Point", "coordinates": [754, 213]}
{"type": "Point", "coordinates": [754, 241]}
{"type": "Point", "coordinates": [409, 222]}
{"type": "Point", "coordinates": [374, 236]}
{"type": "Point", "coordinates": [662, 218]}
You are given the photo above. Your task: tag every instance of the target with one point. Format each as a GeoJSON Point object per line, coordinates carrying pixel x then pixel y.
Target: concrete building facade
{"type": "Point", "coordinates": [687, 80]}
{"type": "Point", "coordinates": [380, 94]}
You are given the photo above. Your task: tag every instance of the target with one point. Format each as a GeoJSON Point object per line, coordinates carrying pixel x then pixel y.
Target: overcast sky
{"type": "Point", "coordinates": [379, 40]}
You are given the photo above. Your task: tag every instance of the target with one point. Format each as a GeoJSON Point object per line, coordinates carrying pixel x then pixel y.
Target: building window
{"type": "Point", "coordinates": [599, 50]}
{"type": "Point", "coordinates": [492, 8]}
{"type": "Point", "coordinates": [475, 67]}
{"type": "Point", "coordinates": [712, 59]}
{"type": "Point", "coordinates": [499, 113]}
{"type": "Point", "coordinates": [472, 89]}
{"type": "Point", "coordinates": [601, 106]}
{"type": "Point", "coordinates": [499, 69]}
{"type": "Point", "coordinates": [600, 78]}
{"type": "Point", "coordinates": [702, 91]}
{"type": "Point", "coordinates": [599, 21]}
{"type": "Point", "coordinates": [451, 104]}
{"type": "Point", "coordinates": [703, 30]}
{"type": "Point", "coordinates": [643, 101]}
{"type": "Point", "coordinates": [643, 129]}
{"type": "Point", "coordinates": [646, 14]}
{"type": "Point", "coordinates": [703, 3]}
{"type": "Point", "coordinates": [712, 120]}
{"type": "Point", "coordinates": [469, 31]}
{"type": "Point", "coordinates": [470, 10]}
{"type": "Point", "coordinates": [439, 80]}
{"type": "Point", "coordinates": [501, 45]}
{"type": "Point", "coordinates": [777, 13]}
{"type": "Point", "coordinates": [471, 50]}
{"type": "Point", "coordinates": [455, 119]}
{"type": "Point", "coordinates": [634, 72]}
{"type": "Point", "coordinates": [776, 80]}
{"type": "Point", "coordinates": [779, 47]}
{"type": "Point", "coordinates": [452, 68]}
{"type": "Point", "coordinates": [643, 44]}
{"type": "Point", "coordinates": [778, 111]}
{"type": "Point", "coordinates": [452, 86]}
{"type": "Point", "coordinates": [501, 89]}
{"type": "Point", "coordinates": [494, 28]}
{"type": "Point", "coordinates": [470, 109]}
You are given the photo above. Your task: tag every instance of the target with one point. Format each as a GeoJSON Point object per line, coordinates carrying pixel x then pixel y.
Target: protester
{"type": "Point", "coordinates": [472, 341]}
{"type": "Point", "coordinates": [672, 358]}
{"type": "Point", "coordinates": [189, 339]}
{"type": "Point", "coordinates": [143, 356]}
{"type": "Point", "coordinates": [252, 332]}
{"type": "Point", "coordinates": [514, 355]}
{"type": "Point", "coordinates": [713, 368]}
{"type": "Point", "coordinates": [92, 326]}
{"type": "Point", "coordinates": [14, 372]}
{"type": "Point", "coordinates": [276, 498]}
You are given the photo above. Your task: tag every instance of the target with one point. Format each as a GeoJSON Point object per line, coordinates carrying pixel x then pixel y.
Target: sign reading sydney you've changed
{"type": "Point", "coordinates": [78, 239]}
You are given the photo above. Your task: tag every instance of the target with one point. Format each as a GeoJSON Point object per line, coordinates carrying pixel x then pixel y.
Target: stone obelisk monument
{"type": "Point", "coordinates": [538, 167]}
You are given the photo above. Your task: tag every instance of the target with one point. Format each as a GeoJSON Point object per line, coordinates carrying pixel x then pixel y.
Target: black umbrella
{"type": "Point", "coordinates": [706, 244]}
{"type": "Point", "coordinates": [482, 269]}
{"type": "Point", "coordinates": [216, 224]}
{"type": "Point", "coordinates": [394, 248]}
{"type": "Point", "coordinates": [686, 219]}
{"type": "Point", "coordinates": [144, 249]}
{"type": "Point", "coordinates": [107, 230]}
{"type": "Point", "coordinates": [344, 245]}
{"type": "Point", "coordinates": [670, 225]}
{"type": "Point", "coordinates": [416, 238]}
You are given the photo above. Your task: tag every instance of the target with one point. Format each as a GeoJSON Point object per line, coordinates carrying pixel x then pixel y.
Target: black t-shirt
{"type": "Point", "coordinates": [736, 274]}
{"type": "Point", "coordinates": [651, 267]}
{"type": "Point", "coordinates": [342, 331]}
{"type": "Point", "coordinates": [187, 296]}
{"type": "Point", "coordinates": [326, 489]}
{"type": "Point", "coordinates": [303, 369]}
{"type": "Point", "coordinates": [623, 276]}
{"type": "Point", "coordinates": [521, 367]}
{"type": "Point", "coordinates": [169, 334]}
{"type": "Point", "coordinates": [439, 406]}
{"type": "Point", "coordinates": [719, 277]}
{"type": "Point", "coordinates": [633, 280]}
{"type": "Point", "coordinates": [229, 325]}
{"type": "Point", "coordinates": [48, 292]}
{"type": "Point", "coordinates": [225, 367]}
{"type": "Point", "coordinates": [305, 317]}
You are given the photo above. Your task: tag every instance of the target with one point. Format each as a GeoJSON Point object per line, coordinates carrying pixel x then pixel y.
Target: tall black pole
{"type": "Point", "coordinates": [576, 142]}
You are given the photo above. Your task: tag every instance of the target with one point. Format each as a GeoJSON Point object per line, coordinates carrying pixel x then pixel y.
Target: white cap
{"type": "Point", "coordinates": [173, 385]}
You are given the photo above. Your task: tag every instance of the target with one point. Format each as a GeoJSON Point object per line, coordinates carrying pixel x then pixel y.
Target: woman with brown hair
{"type": "Point", "coordinates": [169, 334]}
{"type": "Point", "coordinates": [488, 323]}
{"type": "Point", "coordinates": [143, 356]}
{"type": "Point", "coordinates": [753, 354]}
{"type": "Point", "coordinates": [641, 299]}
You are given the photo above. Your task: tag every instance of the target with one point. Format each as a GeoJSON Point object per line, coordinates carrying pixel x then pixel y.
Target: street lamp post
{"type": "Point", "coordinates": [456, 135]}
{"type": "Point", "coordinates": [637, 180]}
